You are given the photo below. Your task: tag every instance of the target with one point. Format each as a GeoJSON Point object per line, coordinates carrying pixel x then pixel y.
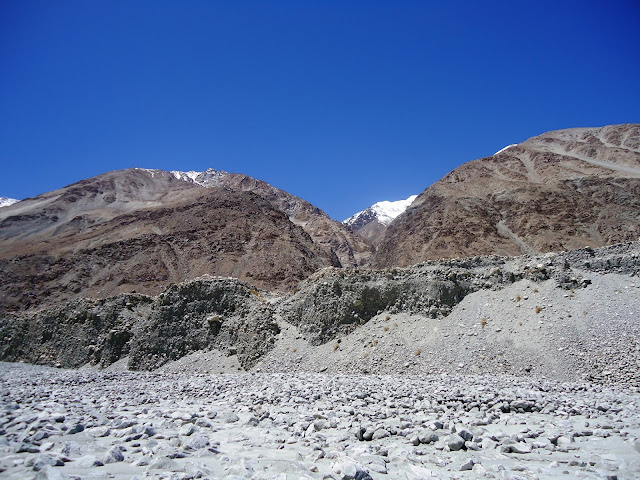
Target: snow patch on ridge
{"type": "Point", "coordinates": [210, 177]}
{"type": "Point", "coordinates": [6, 201]}
{"type": "Point", "coordinates": [150, 171]}
{"type": "Point", "coordinates": [503, 149]}
{"type": "Point", "coordinates": [385, 212]}
{"type": "Point", "coordinates": [186, 176]}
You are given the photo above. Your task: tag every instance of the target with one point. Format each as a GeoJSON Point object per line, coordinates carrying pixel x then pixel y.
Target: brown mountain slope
{"type": "Point", "coordinates": [372, 231]}
{"type": "Point", "coordinates": [137, 230]}
{"type": "Point", "coordinates": [561, 190]}
{"type": "Point", "coordinates": [352, 250]}
{"type": "Point", "coordinates": [90, 202]}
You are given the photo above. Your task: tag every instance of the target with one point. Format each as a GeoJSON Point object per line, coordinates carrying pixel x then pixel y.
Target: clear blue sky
{"type": "Point", "coordinates": [343, 103]}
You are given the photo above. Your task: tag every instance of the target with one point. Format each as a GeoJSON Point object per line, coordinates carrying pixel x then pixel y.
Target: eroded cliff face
{"type": "Point", "coordinates": [559, 191]}
{"type": "Point", "coordinates": [208, 313]}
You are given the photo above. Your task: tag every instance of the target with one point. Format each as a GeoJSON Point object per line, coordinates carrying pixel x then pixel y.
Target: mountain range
{"type": "Point", "coordinates": [140, 230]}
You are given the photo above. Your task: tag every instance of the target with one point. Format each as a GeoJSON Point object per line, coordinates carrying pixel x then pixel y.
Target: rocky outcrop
{"type": "Point", "coordinates": [220, 313]}
{"type": "Point", "coordinates": [333, 302]}
{"type": "Point", "coordinates": [560, 191]}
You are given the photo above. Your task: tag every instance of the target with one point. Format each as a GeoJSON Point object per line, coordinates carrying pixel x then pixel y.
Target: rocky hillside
{"type": "Point", "coordinates": [371, 223]}
{"type": "Point", "coordinates": [558, 191]}
{"type": "Point", "coordinates": [139, 230]}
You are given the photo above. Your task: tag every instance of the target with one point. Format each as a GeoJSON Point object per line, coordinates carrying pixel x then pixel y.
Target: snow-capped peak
{"type": "Point", "coordinates": [186, 176]}
{"type": "Point", "coordinates": [384, 212]}
{"type": "Point", "coordinates": [5, 201]}
{"type": "Point", "coordinates": [503, 149]}
{"type": "Point", "coordinates": [208, 178]}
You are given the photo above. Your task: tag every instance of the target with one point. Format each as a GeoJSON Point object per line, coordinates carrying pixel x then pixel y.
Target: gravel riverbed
{"type": "Point", "coordinates": [87, 424]}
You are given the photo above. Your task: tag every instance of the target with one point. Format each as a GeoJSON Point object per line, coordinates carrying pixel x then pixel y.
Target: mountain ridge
{"type": "Point", "coordinates": [140, 229]}
{"type": "Point", "coordinates": [351, 249]}
{"type": "Point", "coordinates": [385, 211]}
{"type": "Point", "coordinates": [557, 191]}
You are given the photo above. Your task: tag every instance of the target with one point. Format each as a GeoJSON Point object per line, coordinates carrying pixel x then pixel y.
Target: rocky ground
{"type": "Point", "coordinates": [82, 424]}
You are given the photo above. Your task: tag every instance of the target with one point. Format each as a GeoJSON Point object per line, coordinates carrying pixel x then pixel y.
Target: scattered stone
{"type": "Point", "coordinates": [89, 461]}
{"type": "Point", "coordinates": [44, 460]}
{"type": "Point", "coordinates": [77, 428]}
{"type": "Point", "coordinates": [426, 437]}
{"type": "Point", "coordinates": [49, 473]}
{"type": "Point", "coordinates": [380, 433]}
{"type": "Point", "coordinates": [229, 418]}
{"type": "Point", "coordinates": [305, 429]}
{"type": "Point", "coordinates": [163, 463]}
{"type": "Point", "coordinates": [468, 465]}
{"type": "Point", "coordinates": [114, 455]}
{"type": "Point", "coordinates": [28, 448]}
{"type": "Point", "coordinates": [198, 442]}
{"type": "Point", "coordinates": [518, 448]}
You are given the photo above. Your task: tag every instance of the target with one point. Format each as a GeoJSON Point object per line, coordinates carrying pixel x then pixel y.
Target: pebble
{"type": "Point", "coordinates": [454, 442]}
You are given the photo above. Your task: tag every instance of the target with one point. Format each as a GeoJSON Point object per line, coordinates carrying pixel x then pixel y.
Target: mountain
{"type": "Point", "coordinates": [567, 317]}
{"type": "Point", "coordinates": [140, 230]}
{"type": "Point", "coordinates": [5, 201]}
{"type": "Point", "coordinates": [351, 249]}
{"type": "Point", "coordinates": [372, 222]}
{"type": "Point", "coordinates": [561, 190]}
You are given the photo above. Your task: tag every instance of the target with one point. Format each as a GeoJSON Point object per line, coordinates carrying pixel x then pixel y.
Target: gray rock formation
{"type": "Point", "coordinates": [335, 302]}
{"type": "Point", "coordinates": [225, 314]}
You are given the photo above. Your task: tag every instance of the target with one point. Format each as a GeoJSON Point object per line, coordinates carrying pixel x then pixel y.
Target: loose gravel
{"type": "Point", "coordinates": [86, 424]}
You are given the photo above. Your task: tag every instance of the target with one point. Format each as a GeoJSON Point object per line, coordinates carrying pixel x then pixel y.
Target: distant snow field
{"type": "Point", "coordinates": [503, 149]}
{"type": "Point", "coordinates": [384, 211]}
{"type": "Point", "coordinates": [5, 201]}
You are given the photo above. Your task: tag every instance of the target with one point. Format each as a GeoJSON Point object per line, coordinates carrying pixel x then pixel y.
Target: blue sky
{"type": "Point", "coordinates": [343, 103]}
